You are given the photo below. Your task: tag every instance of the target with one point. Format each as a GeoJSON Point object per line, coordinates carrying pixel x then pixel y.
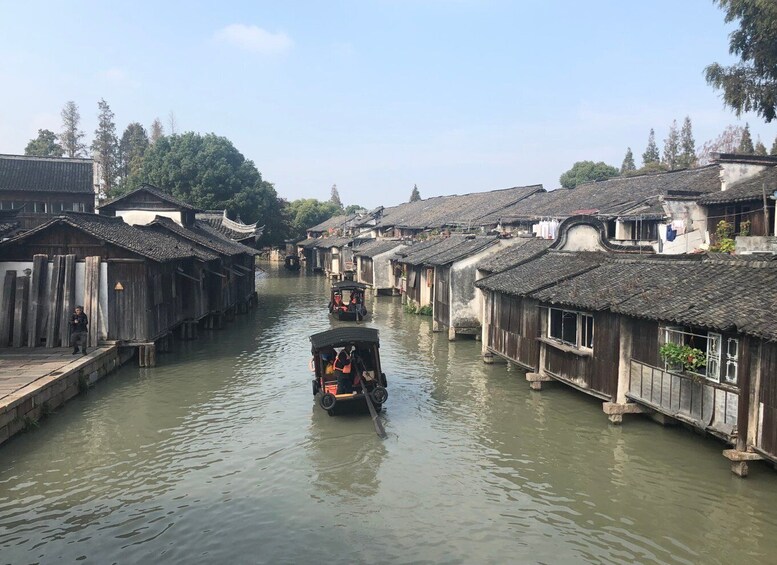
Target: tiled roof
{"type": "Point", "coordinates": [156, 246]}
{"type": "Point", "coordinates": [745, 190]}
{"type": "Point", "coordinates": [46, 174]}
{"type": "Point", "coordinates": [421, 255]}
{"type": "Point", "coordinates": [417, 247]}
{"type": "Point", "coordinates": [520, 250]}
{"type": "Point", "coordinates": [307, 242]}
{"type": "Point", "coordinates": [547, 269]}
{"type": "Point", "coordinates": [333, 222]}
{"type": "Point", "coordinates": [378, 247]}
{"type": "Point", "coordinates": [220, 242]}
{"type": "Point", "coordinates": [455, 210]}
{"type": "Point", "coordinates": [169, 227]}
{"type": "Point", "coordinates": [327, 242]}
{"type": "Point", "coordinates": [233, 229]}
{"type": "Point", "coordinates": [712, 292]}
{"type": "Point", "coordinates": [164, 196]}
{"type": "Point", "coordinates": [465, 248]}
{"type": "Point", "coordinates": [7, 228]}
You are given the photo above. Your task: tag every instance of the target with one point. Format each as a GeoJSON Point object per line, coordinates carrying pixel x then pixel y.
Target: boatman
{"type": "Point", "coordinates": [343, 373]}
{"type": "Point", "coordinates": [78, 330]}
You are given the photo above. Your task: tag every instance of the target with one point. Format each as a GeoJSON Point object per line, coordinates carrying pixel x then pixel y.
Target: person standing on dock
{"type": "Point", "coordinates": [78, 330]}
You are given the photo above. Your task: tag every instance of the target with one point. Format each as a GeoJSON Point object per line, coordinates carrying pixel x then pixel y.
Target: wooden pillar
{"type": "Point", "coordinates": [68, 298]}
{"type": "Point", "coordinates": [36, 310]}
{"type": "Point", "coordinates": [743, 405]}
{"type": "Point", "coordinates": [7, 308]}
{"type": "Point", "coordinates": [147, 355]}
{"type": "Point", "coordinates": [54, 307]}
{"type": "Point", "coordinates": [92, 297]}
{"type": "Point", "coordinates": [20, 311]}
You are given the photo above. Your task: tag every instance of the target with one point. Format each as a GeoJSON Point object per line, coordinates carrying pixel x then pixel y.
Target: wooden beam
{"type": "Point", "coordinates": [20, 311]}
{"type": "Point", "coordinates": [37, 300]}
{"type": "Point", "coordinates": [7, 308]}
{"type": "Point", "coordinates": [54, 306]}
{"type": "Point", "coordinates": [92, 297]}
{"type": "Point", "coordinates": [68, 298]}
{"type": "Point", "coordinates": [180, 272]}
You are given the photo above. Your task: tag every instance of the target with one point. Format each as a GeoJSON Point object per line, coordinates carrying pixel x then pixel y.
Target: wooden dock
{"type": "Point", "coordinates": [35, 381]}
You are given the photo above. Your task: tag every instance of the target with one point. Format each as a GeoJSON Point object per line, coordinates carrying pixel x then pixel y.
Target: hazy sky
{"type": "Point", "coordinates": [453, 95]}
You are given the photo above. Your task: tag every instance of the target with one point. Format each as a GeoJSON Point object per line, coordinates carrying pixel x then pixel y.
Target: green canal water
{"type": "Point", "coordinates": [218, 455]}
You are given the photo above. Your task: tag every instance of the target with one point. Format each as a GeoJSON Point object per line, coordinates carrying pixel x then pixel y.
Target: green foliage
{"type": "Point", "coordinates": [353, 209]}
{"type": "Point", "coordinates": [45, 145]}
{"type": "Point", "coordinates": [587, 171]}
{"type": "Point", "coordinates": [425, 310]}
{"type": "Point", "coordinates": [413, 308]}
{"type": "Point", "coordinates": [760, 148]}
{"type": "Point", "coordinates": [628, 165]}
{"type": "Point", "coordinates": [744, 228]}
{"type": "Point", "coordinates": [751, 84]}
{"type": "Point", "coordinates": [651, 154]}
{"type": "Point", "coordinates": [773, 150]}
{"type": "Point", "coordinates": [335, 197]}
{"type": "Point", "coordinates": [415, 196]}
{"type": "Point", "coordinates": [157, 130]}
{"type": "Point", "coordinates": [672, 147]}
{"type": "Point", "coordinates": [685, 356]}
{"type": "Point", "coordinates": [71, 137]}
{"type": "Point", "coordinates": [724, 240]}
{"type": "Point", "coordinates": [306, 213]}
{"type": "Point", "coordinates": [106, 147]}
{"type": "Point", "coordinates": [687, 157]}
{"type": "Point", "coordinates": [132, 148]}
{"type": "Point", "coordinates": [746, 143]}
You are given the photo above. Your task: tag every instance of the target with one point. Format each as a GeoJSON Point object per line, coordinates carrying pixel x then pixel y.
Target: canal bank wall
{"type": "Point", "coordinates": [35, 382]}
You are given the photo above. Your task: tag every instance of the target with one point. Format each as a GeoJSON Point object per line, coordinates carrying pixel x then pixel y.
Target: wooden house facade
{"type": "Point", "coordinates": [373, 264]}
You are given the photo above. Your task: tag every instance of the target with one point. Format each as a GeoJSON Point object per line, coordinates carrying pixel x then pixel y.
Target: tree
{"type": "Point", "coordinates": [415, 196]}
{"type": "Point", "coordinates": [132, 147]}
{"type": "Point", "coordinates": [157, 130]}
{"type": "Point", "coordinates": [105, 147]}
{"type": "Point", "coordinates": [335, 197]}
{"type": "Point", "coordinates": [628, 165]}
{"type": "Point", "coordinates": [726, 142]}
{"type": "Point", "coordinates": [71, 136]}
{"type": "Point", "coordinates": [651, 154]}
{"type": "Point", "coordinates": [207, 171]}
{"type": "Point", "coordinates": [751, 84]}
{"type": "Point", "coordinates": [172, 122]}
{"type": "Point", "coordinates": [353, 209]}
{"type": "Point", "coordinates": [687, 157]}
{"type": "Point", "coordinates": [306, 213]}
{"type": "Point", "coordinates": [672, 147]}
{"type": "Point", "coordinates": [45, 145]}
{"type": "Point", "coordinates": [746, 142]}
{"type": "Point", "coordinates": [760, 148]}
{"type": "Point", "coordinates": [587, 171]}
{"type": "Point", "coordinates": [773, 150]}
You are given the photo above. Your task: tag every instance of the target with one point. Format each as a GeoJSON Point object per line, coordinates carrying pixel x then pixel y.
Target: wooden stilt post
{"type": "Point", "coordinates": [92, 297]}
{"type": "Point", "coordinates": [68, 298]}
{"type": "Point", "coordinates": [37, 297]}
{"type": "Point", "coordinates": [7, 308]}
{"type": "Point", "coordinates": [54, 308]}
{"type": "Point", "coordinates": [20, 311]}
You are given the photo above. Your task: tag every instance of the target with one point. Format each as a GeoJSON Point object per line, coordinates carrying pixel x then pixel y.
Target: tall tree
{"type": "Point", "coordinates": [587, 171]}
{"type": "Point", "coordinates": [672, 147]}
{"type": "Point", "coordinates": [751, 84]}
{"type": "Point", "coordinates": [746, 143]}
{"type": "Point", "coordinates": [71, 137]}
{"type": "Point", "coordinates": [651, 154]}
{"type": "Point", "coordinates": [687, 157]}
{"type": "Point", "coordinates": [308, 212]}
{"type": "Point", "coordinates": [45, 145]}
{"type": "Point", "coordinates": [628, 165]}
{"type": "Point", "coordinates": [727, 142]}
{"type": "Point", "coordinates": [105, 147]}
{"type": "Point", "coordinates": [773, 150]}
{"type": "Point", "coordinates": [760, 148]}
{"type": "Point", "coordinates": [334, 198]}
{"type": "Point", "coordinates": [157, 130]}
{"type": "Point", "coordinates": [132, 147]}
{"type": "Point", "coordinates": [172, 122]}
{"type": "Point", "coordinates": [415, 196]}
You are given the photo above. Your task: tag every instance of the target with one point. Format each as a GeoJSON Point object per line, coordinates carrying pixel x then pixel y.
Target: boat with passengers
{"type": "Point", "coordinates": [346, 301]}
{"type": "Point", "coordinates": [347, 370]}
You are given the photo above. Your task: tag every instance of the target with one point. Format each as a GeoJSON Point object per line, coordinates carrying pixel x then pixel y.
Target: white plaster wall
{"type": "Point", "coordinates": [381, 269]}
{"type": "Point", "coordinates": [686, 243]}
{"type": "Point", "coordinates": [582, 238]}
{"type": "Point", "coordinates": [733, 172]}
{"type": "Point", "coordinates": [694, 216]}
{"type": "Point", "coordinates": [145, 217]}
{"type": "Point", "coordinates": [17, 266]}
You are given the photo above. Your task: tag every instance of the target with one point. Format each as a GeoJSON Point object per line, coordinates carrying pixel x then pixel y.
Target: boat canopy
{"type": "Point", "coordinates": [348, 285]}
{"type": "Point", "coordinates": [340, 337]}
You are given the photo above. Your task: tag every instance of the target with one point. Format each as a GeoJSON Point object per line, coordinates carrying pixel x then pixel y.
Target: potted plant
{"type": "Point", "coordinates": [682, 357]}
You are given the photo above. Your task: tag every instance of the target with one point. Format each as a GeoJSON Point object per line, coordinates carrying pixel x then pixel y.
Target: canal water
{"type": "Point", "coordinates": [218, 455]}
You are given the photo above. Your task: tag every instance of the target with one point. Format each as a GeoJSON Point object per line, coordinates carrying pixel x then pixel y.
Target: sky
{"type": "Point", "coordinates": [454, 96]}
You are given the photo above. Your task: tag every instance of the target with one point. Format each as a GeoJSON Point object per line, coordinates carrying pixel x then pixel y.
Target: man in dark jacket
{"type": "Point", "coordinates": [78, 330]}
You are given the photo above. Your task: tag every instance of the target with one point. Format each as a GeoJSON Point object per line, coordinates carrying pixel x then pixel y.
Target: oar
{"type": "Point", "coordinates": [375, 420]}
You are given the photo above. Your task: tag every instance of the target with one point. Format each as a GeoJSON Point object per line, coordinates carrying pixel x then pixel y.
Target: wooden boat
{"type": "Point", "coordinates": [362, 346]}
{"type": "Point", "coordinates": [346, 301]}
{"type": "Point", "coordinates": [291, 262]}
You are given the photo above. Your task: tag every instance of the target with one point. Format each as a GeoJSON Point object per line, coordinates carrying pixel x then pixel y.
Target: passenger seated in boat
{"type": "Point", "coordinates": [327, 361]}
{"type": "Point", "coordinates": [342, 367]}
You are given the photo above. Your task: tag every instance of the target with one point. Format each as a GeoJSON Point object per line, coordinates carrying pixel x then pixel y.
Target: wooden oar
{"type": "Point", "coordinates": [375, 420]}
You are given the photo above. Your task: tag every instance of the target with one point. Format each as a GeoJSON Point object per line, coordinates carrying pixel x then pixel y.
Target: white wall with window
{"type": "Point", "coordinates": [571, 327]}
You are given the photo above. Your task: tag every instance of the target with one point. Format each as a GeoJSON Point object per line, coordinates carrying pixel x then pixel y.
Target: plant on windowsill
{"type": "Point", "coordinates": [683, 358]}
{"type": "Point", "coordinates": [724, 238]}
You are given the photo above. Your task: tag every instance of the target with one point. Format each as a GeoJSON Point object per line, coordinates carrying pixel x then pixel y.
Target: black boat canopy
{"type": "Point", "coordinates": [340, 337]}
{"type": "Point", "coordinates": [348, 285]}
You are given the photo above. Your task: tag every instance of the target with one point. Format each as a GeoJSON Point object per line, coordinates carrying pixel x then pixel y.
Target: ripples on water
{"type": "Point", "coordinates": [218, 455]}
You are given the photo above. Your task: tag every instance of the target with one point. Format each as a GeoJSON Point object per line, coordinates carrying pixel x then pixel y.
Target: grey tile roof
{"type": "Point", "coordinates": [328, 242]}
{"type": "Point", "coordinates": [745, 190]}
{"type": "Point", "coordinates": [332, 223]}
{"type": "Point", "coordinates": [418, 255]}
{"type": "Point", "coordinates": [722, 293]}
{"type": "Point", "coordinates": [156, 246]}
{"type": "Point", "coordinates": [417, 247]}
{"type": "Point", "coordinates": [219, 241]}
{"type": "Point", "coordinates": [454, 210]}
{"type": "Point", "coordinates": [377, 247]}
{"type": "Point", "coordinates": [232, 229]}
{"type": "Point", "coordinates": [307, 242]}
{"type": "Point", "coordinates": [46, 174]}
{"type": "Point", "coordinates": [158, 193]}
{"type": "Point", "coordinates": [465, 248]}
{"type": "Point", "coordinates": [519, 251]}
{"type": "Point", "coordinates": [545, 270]}
{"type": "Point", "coordinates": [208, 251]}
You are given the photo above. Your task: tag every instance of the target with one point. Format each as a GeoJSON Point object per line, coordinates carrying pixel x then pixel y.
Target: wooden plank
{"type": "Point", "coordinates": [20, 311]}
{"type": "Point", "coordinates": [92, 297]}
{"type": "Point", "coordinates": [68, 298]}
{"type": "Point", "coordinates": [37, 298]}
{"type": "Point", "coordinates": [7, 308]}
{"type": "Point", "coordinates": [54, 308]}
